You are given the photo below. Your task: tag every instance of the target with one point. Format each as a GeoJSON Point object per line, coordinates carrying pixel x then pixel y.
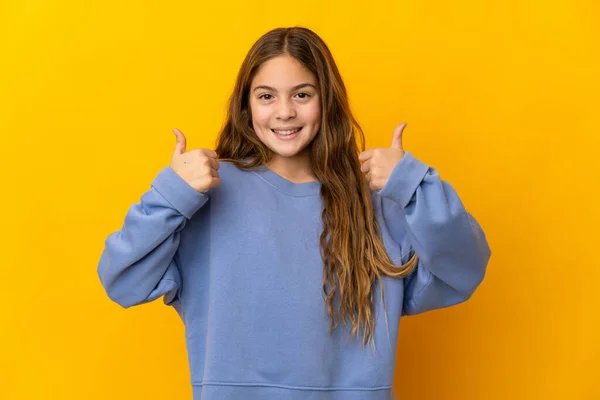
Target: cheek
{"type": "Point", "coordinates": [260, 117]}
{"type": "Point", "coordinates": [315, 115]}
{"type": "Point", "coordinates": [311, 114]}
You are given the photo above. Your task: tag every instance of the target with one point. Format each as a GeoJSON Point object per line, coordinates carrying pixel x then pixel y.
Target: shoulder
{"type": "Point", "coordinates": [236, 178]}
{"type": "Point", "coordinates": [228, 169]}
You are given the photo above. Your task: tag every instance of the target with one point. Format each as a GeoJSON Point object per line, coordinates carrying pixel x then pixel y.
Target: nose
{"type": "Point", "coordinates": [286, 110]}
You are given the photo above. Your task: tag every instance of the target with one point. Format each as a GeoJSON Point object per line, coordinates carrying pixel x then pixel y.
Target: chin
{"type": "Point", "coordinates": [286, 154]}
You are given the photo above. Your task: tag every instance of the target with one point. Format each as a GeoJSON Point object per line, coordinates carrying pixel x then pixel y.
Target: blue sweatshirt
{"type": "Point", "coordinates": [242, 266]}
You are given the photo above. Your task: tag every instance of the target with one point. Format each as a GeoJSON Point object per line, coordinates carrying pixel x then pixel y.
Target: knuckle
{"type": "Point", "coordinates": [199, 153]}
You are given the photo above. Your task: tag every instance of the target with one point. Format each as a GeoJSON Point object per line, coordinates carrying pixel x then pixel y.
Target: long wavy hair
{"type": "Point", "coordinates": [351, 246]}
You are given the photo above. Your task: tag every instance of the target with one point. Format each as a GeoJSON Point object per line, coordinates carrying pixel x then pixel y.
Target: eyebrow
{"type": "Point", "coordinates": [300, 86]}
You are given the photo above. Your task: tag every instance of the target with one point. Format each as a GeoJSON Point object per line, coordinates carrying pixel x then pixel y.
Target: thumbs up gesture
{"type": "Point", "coordinates": [378, 164]}
{"type": "Point", "coordinates": [197, 167]}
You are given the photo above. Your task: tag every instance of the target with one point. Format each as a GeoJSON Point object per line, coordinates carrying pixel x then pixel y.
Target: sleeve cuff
{"type": "Point", "coordinates": [406, 177]}
{"type": "Point", "coordinates": [178, 192]}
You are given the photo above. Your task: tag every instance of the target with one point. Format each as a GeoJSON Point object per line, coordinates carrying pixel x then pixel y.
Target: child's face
{"type": "Point", "coordinates": [285, 104]}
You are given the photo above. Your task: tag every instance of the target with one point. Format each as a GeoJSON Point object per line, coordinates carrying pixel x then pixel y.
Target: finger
{"type": "Point", "coordinates": [214, 164]}
{"type": "Point", "coordinates": [372, 183]}
{"type": "Point", "coordinates": [180, 145]}
{"type": "Point", "coordinates": [365, 155]}
{"type": "Point", "coordinates": [211, 162]}
{"type": "Point", "coordinates": [366, 166]}
{"type": "Point", "coordinates": [397, 136]}
{"type": "Point", "coordinates": [214, 173]}
{"type": "Point", "coordinates": [215, 182]}
{"type": "Point", "coordinates": [209, 153]}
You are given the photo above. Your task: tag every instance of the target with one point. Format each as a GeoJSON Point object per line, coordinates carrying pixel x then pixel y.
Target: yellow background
{"type": "Point", "coordinates": [501, 97]}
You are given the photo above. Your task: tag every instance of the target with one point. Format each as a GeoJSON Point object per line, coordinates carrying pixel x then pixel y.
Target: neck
{"type": "Point", "coordinates": [295, 169]}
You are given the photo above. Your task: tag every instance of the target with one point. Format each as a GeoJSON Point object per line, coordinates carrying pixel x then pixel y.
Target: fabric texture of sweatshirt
{"type": "Point", "coordinates": [242, 266]}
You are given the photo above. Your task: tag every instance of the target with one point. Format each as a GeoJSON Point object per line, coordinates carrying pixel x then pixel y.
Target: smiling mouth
{"type": "Point", "coordinates": [286, 132]}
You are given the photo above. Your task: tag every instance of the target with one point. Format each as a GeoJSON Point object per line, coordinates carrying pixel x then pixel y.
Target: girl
{"type": "Point", "coordinates": [287, 252]}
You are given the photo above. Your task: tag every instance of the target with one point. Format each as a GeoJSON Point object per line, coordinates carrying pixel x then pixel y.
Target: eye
{"type": "Point", "coordinates": [303, 95]}
{"type": "Point", "coordinates": [265, 96]}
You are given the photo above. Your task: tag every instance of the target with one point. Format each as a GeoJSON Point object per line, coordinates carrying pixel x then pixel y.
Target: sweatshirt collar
{"type": "Point", "coordinates": [286, 186]}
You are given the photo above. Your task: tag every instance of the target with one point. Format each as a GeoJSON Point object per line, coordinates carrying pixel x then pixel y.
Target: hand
{"type": "Point", "coordinates": [378, 164]}
{"type": "Point", "coordinates": [197, 167]}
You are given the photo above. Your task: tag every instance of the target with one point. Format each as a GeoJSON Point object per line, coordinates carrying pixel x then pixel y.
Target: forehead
{"type": "Point", "coordinates": [282, 72]}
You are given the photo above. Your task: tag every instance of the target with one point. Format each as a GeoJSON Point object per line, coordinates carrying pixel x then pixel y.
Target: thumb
{"type": "Point", "coordinates": [180, 145]}
{"type": "Point", "coordinates": [397, 136]}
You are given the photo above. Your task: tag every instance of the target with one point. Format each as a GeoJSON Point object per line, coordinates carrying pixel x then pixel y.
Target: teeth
{"type": "Point", "coordinates": [286, 133]}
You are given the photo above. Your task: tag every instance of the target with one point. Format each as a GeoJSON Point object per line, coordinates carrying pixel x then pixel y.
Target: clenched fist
{"type": "Point", "coordinates": [378, 164]}
{"type": "Point", "coordinates": [197, 167]}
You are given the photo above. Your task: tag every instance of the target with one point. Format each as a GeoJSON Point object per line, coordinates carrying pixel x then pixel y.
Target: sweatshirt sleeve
{"type": "Point", "coordinates": [424, 214]}
{"type": "Point", "coordinates": [138, 263]}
